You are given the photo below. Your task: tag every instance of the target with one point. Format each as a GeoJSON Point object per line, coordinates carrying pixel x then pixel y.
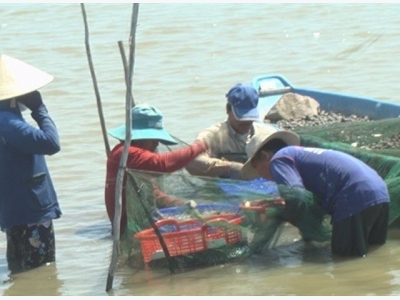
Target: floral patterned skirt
{"type": "Point", "coordinates": [30, 246]}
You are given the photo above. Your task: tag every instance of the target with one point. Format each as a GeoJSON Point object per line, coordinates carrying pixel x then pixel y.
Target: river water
{"type": "Point", "coordinates": [187, 57]}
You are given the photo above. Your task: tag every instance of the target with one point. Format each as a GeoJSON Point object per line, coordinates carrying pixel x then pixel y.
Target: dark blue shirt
{"type": "Point", "coordinates": [344, 184]}
{"type": "Point", "coordinates": [27, 194]}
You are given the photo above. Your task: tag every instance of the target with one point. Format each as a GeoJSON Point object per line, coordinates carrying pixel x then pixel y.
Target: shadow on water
{"type": "Point", "coordinates": [99, 230]}
{"type": "Point", "coordinates": [288, 253]}
{"type": "Point", "coordinates": [292, 255]}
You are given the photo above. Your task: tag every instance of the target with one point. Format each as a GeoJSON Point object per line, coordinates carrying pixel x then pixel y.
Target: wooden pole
{"type": "Point", "coordinates": [122, 167]}
{"type": "Point", "coordinates": [147, 212]}
{"type": "Point", "coordinates": [126, 67]}
{"type": "Point", "coordinates": [96, 89]}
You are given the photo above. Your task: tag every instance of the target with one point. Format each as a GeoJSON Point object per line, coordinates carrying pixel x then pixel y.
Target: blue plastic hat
{"type": "Point", "coordinates": [244, 100]}
{"type": "Point", "coordinates": [147, 124]}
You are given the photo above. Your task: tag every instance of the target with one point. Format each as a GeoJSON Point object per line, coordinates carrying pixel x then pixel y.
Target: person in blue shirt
{"type": "Point", "coordinates": [351, 192]}
{"type": "Point", "coordinates": [28, 201]}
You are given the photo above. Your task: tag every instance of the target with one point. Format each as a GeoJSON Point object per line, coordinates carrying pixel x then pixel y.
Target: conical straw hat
{"type": "Point", "coordinates": [18, 78]}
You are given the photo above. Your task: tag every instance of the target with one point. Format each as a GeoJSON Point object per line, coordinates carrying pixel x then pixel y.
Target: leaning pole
{"type": "Point", "coordinates": [122, 168]}
{"type": "Point", "coordinates": [96, 89]}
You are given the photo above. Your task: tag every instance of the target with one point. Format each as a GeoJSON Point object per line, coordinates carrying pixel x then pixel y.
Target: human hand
{"type": "Point", "coordinates": [32, 100]}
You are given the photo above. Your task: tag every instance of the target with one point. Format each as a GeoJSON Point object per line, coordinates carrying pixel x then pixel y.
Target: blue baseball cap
{"type": "Point", "coordinates": [244, 100]}
{"type": "Point", "coordinates": [147, 124]}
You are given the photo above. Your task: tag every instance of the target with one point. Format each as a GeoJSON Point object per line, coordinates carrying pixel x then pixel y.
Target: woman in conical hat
{"type": "Point", "coordinates": [18, 78]}
{"type": "Point", "coordinates": [28, 201]}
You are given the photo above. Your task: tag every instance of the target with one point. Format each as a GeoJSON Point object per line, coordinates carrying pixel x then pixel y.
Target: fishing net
{"type": "Point", "coordinates": [230, 221]}
{"type": "Point", "coordinates": [377, 136]}
{"type": "Point", "coordinates": [234, 219]}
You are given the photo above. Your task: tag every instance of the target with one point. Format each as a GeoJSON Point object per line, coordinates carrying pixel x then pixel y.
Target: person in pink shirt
{"type": "Point", "coordinates": [147, 132]}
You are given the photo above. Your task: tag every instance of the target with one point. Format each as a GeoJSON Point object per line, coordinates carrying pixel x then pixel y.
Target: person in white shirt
{"type": "Point", "coordinates": [227, 139]}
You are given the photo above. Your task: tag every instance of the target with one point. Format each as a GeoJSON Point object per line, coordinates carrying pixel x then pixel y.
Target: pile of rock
{"type": "Point", "coordinates": [294, 111]}
{"type": "Point", "coordinates": [388, 143]}
{"type": "Point", "coordinates": [321, 118]}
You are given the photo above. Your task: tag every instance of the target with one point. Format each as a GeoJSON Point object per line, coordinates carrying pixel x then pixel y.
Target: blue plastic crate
{"type": "Point", "coordinates": [201, 208]}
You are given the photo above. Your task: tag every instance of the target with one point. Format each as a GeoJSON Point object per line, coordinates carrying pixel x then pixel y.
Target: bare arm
{"type": "Point", "coordinates": [204, 165]}
{"type": "Point", "coordinates": [211, 163]}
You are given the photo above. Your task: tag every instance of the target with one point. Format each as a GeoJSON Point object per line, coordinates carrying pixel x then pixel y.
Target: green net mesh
{"type": "Point", "coordinates": [221, 227]}
{"type": "Point", "coordinates": [378, 136]}
{"type": "Point", "coordinates": [234, 219]}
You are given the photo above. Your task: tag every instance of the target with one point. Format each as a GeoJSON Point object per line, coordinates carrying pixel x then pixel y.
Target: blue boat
{"type": "Point", "coordinates": [271, 87]}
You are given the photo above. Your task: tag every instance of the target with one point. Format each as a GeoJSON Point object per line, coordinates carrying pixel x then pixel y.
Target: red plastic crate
{"type": "Point", "coordinates": [189, 236]}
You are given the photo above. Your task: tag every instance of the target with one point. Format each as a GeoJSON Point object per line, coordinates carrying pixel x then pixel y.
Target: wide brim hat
{"type": "Point", "coordinates": [18, 78]}
{"type": "Point", "coordinates": [258, 141]}
{"type": "Point", "coordinates": [147, 124]}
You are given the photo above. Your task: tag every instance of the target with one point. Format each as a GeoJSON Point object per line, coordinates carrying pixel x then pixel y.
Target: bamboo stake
{"type": "Point", "coordinates": [126, 67]}
{"type": "Point", "coordinates": [147, 212]}
{"type": "Point", "coordinates": [122, 168]}
{"type": "Point", "coordinates": [96, 89]}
